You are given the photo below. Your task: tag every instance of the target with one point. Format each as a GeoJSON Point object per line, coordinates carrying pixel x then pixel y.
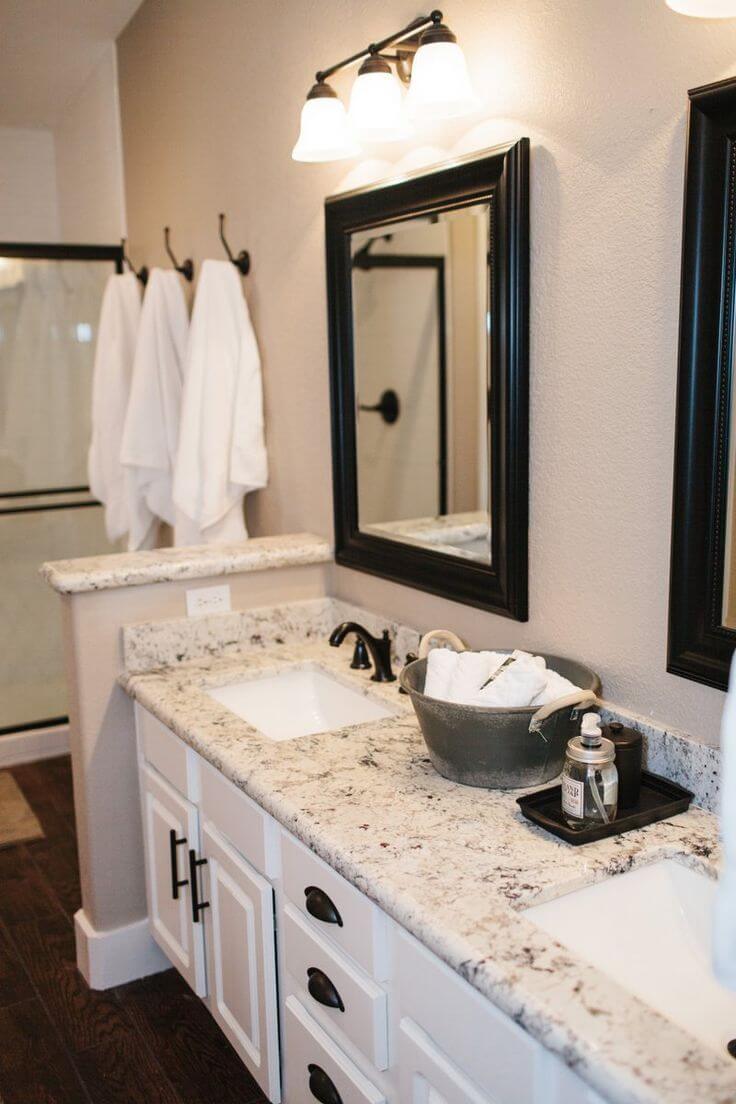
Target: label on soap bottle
{"type": "Point", "coordinates": [573, 796]}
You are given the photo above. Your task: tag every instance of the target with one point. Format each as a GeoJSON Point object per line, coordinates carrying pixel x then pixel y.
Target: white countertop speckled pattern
{"type": "Point", "coordinates": [369, 803]}
{"type": "Point", "coordinates": [164, 565]}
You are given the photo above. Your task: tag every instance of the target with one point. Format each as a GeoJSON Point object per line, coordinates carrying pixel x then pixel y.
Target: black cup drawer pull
{"type": "Point", "coordinates": [321, 907]}
{"type": "Point", "coordinates": [176, 881]}
{"type": "Point", "coordinates": [322, 1087]}
{"type": "Point", "coordinates": [321, 988]}
{"type": "Point", "coordinates": [197, 905]}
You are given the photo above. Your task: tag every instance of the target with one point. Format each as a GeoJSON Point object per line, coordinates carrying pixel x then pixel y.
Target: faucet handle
{"type": "Point", "coordinates": [361, 660]}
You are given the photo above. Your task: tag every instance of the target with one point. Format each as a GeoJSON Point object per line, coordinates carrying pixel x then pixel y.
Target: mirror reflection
{"type": "Point", "coordinates": [728, 612]}
{"type": "Point", "coordinates": [420, 291]}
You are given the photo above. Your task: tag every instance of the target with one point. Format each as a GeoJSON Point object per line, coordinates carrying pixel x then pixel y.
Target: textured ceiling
{"type": "Point", "coordinates": [48, 48]}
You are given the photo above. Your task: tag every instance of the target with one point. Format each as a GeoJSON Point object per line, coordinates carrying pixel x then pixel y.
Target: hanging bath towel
{"type": "Point", "coordinates": [151, 431]}
{"type": "Point", "coordinates": [222, 453]}
{"type": "Point", "coordinates": [116, 338]}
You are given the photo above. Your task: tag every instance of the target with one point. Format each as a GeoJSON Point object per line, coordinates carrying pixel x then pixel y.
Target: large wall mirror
{"type": "Point", "coordinates": [702, 629]}
{"type": "Point", "coordinates": [428, 304]}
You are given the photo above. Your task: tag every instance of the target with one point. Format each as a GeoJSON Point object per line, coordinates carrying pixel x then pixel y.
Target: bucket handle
{"type": "Point", "coordinates": [441, 637]}
{"type": "Point", "coordinates": [579, 699]}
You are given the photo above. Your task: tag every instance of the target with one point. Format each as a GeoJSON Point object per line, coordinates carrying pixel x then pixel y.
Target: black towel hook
{"type": "Point", "coordinates": [187, 268]}
{"type": "Point", "coordinates": [242, 261]}
{"type": "Point", "coordinates": [142, 272]}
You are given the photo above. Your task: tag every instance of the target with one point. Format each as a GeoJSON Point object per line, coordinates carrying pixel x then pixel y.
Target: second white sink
{"type": "Point", "coordinates": [650, 930]}
{"type": "Point", "coordinates": [301, 701]}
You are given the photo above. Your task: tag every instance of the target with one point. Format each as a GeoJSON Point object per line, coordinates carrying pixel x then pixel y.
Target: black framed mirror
{"type": "Point", "coordinates": [428, 299]}
{"type": "Point", "coordinates": [702, 624]}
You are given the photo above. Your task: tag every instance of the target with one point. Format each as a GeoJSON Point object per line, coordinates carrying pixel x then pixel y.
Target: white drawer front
{"type": "Point", "coordinates": [311, 1055]}
{"type": "Point", "coordinates": [324, 974]}
{"type": "Point", "coordinates": [426, 1076]}
{"type": "Point", "coordinates": [238, 818]}
{"type": "Point", "coordinates": [363, 929]}
{"type": "Point", "coordinates": [480, 1040]}
{"type": "Point", "coordinates": [171, 757]}
{"type": "Point", "coordinates": [557, 1084]}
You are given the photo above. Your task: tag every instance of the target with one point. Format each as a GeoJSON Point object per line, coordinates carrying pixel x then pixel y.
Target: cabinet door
{"type": "Point", "coordinates": [241, 958]}
{"type": "Point", "coordinates": [169, 906]}
{"type": "Point", "coordinates": [427, 1077]}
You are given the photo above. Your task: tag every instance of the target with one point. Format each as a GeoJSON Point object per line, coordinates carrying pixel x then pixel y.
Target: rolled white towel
{"type": "Point", "coordinates": [441, 665]}
{"type": "Point", "coordinates": [528, 658]}
{"type": "Point", "coordinates": [517, 685]}
{"type": "Point", "coordinates": [557, 686]}
{"type": "Point", "coordinates": [473, 669]}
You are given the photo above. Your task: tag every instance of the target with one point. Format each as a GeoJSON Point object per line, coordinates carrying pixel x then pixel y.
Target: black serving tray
{"type": "Point", "coordinates": [659, 799]}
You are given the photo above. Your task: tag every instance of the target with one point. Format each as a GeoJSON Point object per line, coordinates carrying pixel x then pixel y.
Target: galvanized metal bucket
{"type": "Point", "coordinates": [500, 748]}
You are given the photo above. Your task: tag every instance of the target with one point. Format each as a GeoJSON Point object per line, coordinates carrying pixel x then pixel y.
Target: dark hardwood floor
{"type": "Point", "coordinates": [60, 1042]}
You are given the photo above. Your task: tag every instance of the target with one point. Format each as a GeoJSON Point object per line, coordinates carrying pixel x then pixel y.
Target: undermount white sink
{"type": "Point", "coordinates": [650, 930]}
{"type": "Point", "coordinates": [301, 701]}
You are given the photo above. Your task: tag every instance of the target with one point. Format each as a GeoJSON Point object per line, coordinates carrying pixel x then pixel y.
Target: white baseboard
{"type": "Point", "coordinates": [109, 958]}
{"type": "Point", "coordinates": [29, 747]}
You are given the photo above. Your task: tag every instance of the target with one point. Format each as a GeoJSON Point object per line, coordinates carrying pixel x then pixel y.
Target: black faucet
{"type": "Point", "coordinates": [379, 648]}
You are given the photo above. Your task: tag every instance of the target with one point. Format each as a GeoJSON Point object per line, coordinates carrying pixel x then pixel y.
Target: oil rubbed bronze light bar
{"type": "Point", "coordinates": [426, 57]}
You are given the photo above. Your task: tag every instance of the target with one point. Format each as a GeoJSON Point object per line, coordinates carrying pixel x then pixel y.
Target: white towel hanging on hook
{"type": "Point", "coordinates": [222, 452]}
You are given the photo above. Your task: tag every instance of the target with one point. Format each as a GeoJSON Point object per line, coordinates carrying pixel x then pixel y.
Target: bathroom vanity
{"type": "Point", "coordinates": [357, 924]}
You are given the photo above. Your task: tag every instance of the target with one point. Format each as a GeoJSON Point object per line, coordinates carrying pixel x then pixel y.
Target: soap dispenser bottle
{"type": "Point", "coordinates": [589, 777]}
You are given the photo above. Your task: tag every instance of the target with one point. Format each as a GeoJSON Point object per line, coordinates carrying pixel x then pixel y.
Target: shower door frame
{"type": "Point", "coordinates": [52, 251]}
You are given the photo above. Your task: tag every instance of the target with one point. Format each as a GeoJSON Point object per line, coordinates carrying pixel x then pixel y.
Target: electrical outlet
{"type": "Point", "coordinates": [214, 599]}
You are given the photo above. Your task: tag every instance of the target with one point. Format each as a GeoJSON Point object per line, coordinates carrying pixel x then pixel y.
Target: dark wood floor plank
{"type": "Point", "coordinates": [193, 1052]}
{"type": "Point", "coordinates": [24, 893]}
{"type": "Point", "coordinates": [34, 1068]}
{"type": "Point", "coordinates": [15, 984]}
{"type": "Point", "coordinates": [122, 1071]}
{"type": "Point", "coordinates": [58, 864]}
{"type": "Point", "coordinates": [83, 1017]}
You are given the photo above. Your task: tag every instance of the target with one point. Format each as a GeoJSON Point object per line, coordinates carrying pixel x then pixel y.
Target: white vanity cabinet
{"type": "Point", "coordinates": [210, 910]}
{"type": "Point", "coordinates": [241, 959]}
{"type": "Point", "coordinates": [367, 1014]}
{"type": "Point", "coordinates": [170, 828]}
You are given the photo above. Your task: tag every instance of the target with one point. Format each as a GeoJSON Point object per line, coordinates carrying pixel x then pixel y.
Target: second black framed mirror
{"type": "Point", "coordinates": [428, 302]}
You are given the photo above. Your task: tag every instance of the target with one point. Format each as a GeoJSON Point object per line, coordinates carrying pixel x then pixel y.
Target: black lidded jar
{"type": "Point", "coordinates": [628, 762]}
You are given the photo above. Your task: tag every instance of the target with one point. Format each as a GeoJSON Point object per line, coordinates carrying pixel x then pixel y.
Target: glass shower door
{"type": "Point", "coordinates": [50, 298]}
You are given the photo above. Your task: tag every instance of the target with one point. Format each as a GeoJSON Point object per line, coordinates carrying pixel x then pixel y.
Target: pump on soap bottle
{"type": "Point", "coordinates": [589, 777]}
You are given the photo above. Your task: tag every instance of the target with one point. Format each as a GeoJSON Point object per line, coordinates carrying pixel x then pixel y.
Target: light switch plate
{"type": "Point", "coordinates": [202, 600]}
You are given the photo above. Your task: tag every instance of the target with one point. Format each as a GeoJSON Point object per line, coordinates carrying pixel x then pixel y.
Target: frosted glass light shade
{"type": "Point", "coordinates": [440, 84]}
{"type": "Point", "coordinates": [376, 110]}
{"type": "Point", "coordinates": [325, 134]}
{"type": "Point", "coordinates": [705, 9]}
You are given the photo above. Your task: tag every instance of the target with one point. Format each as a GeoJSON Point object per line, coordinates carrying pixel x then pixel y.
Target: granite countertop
{"type": "Point", "coordinates": [163, 565]}
{"type": "Point", "coordinates": [367, 800]}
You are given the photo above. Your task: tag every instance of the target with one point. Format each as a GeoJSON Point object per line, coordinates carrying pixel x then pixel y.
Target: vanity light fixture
{"type": "Point", "coordinates": [376, 109]}
{"type": "Point", "coordinates": [426, 57]}
{"type": "Point", "coordinates": [325, 134]}
{"type": "Point", "coordinates": [440, 83]}
{"type": "Point", "coordinates": [704, 9]}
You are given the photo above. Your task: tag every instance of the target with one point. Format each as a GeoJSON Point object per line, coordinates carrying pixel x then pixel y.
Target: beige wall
{"type": "Point", "coordinates": [28, 202]}
{"type": "Point", "coordinates": [211, 95]}
{"type": "Point", "coordinates": [89, 159]}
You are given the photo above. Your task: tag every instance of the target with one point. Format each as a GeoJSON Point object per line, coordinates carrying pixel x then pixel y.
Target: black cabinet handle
{"type": "Point", "coordinates": [197, 905]}
{"type": "Point", "coordinates": [321, 1086]}
{"type": "Point", "coordinates": [321, 988]}
{"type": "Point", "coordinates": [321, 907]}
{"type": "Point", "coordinates": [176, 881]}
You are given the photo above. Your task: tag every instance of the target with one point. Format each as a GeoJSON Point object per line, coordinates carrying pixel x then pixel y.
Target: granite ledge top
{"type": "Point", "coordinates": [165, 565]}
{"type": "Point", "coordinates": [366, 800]}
